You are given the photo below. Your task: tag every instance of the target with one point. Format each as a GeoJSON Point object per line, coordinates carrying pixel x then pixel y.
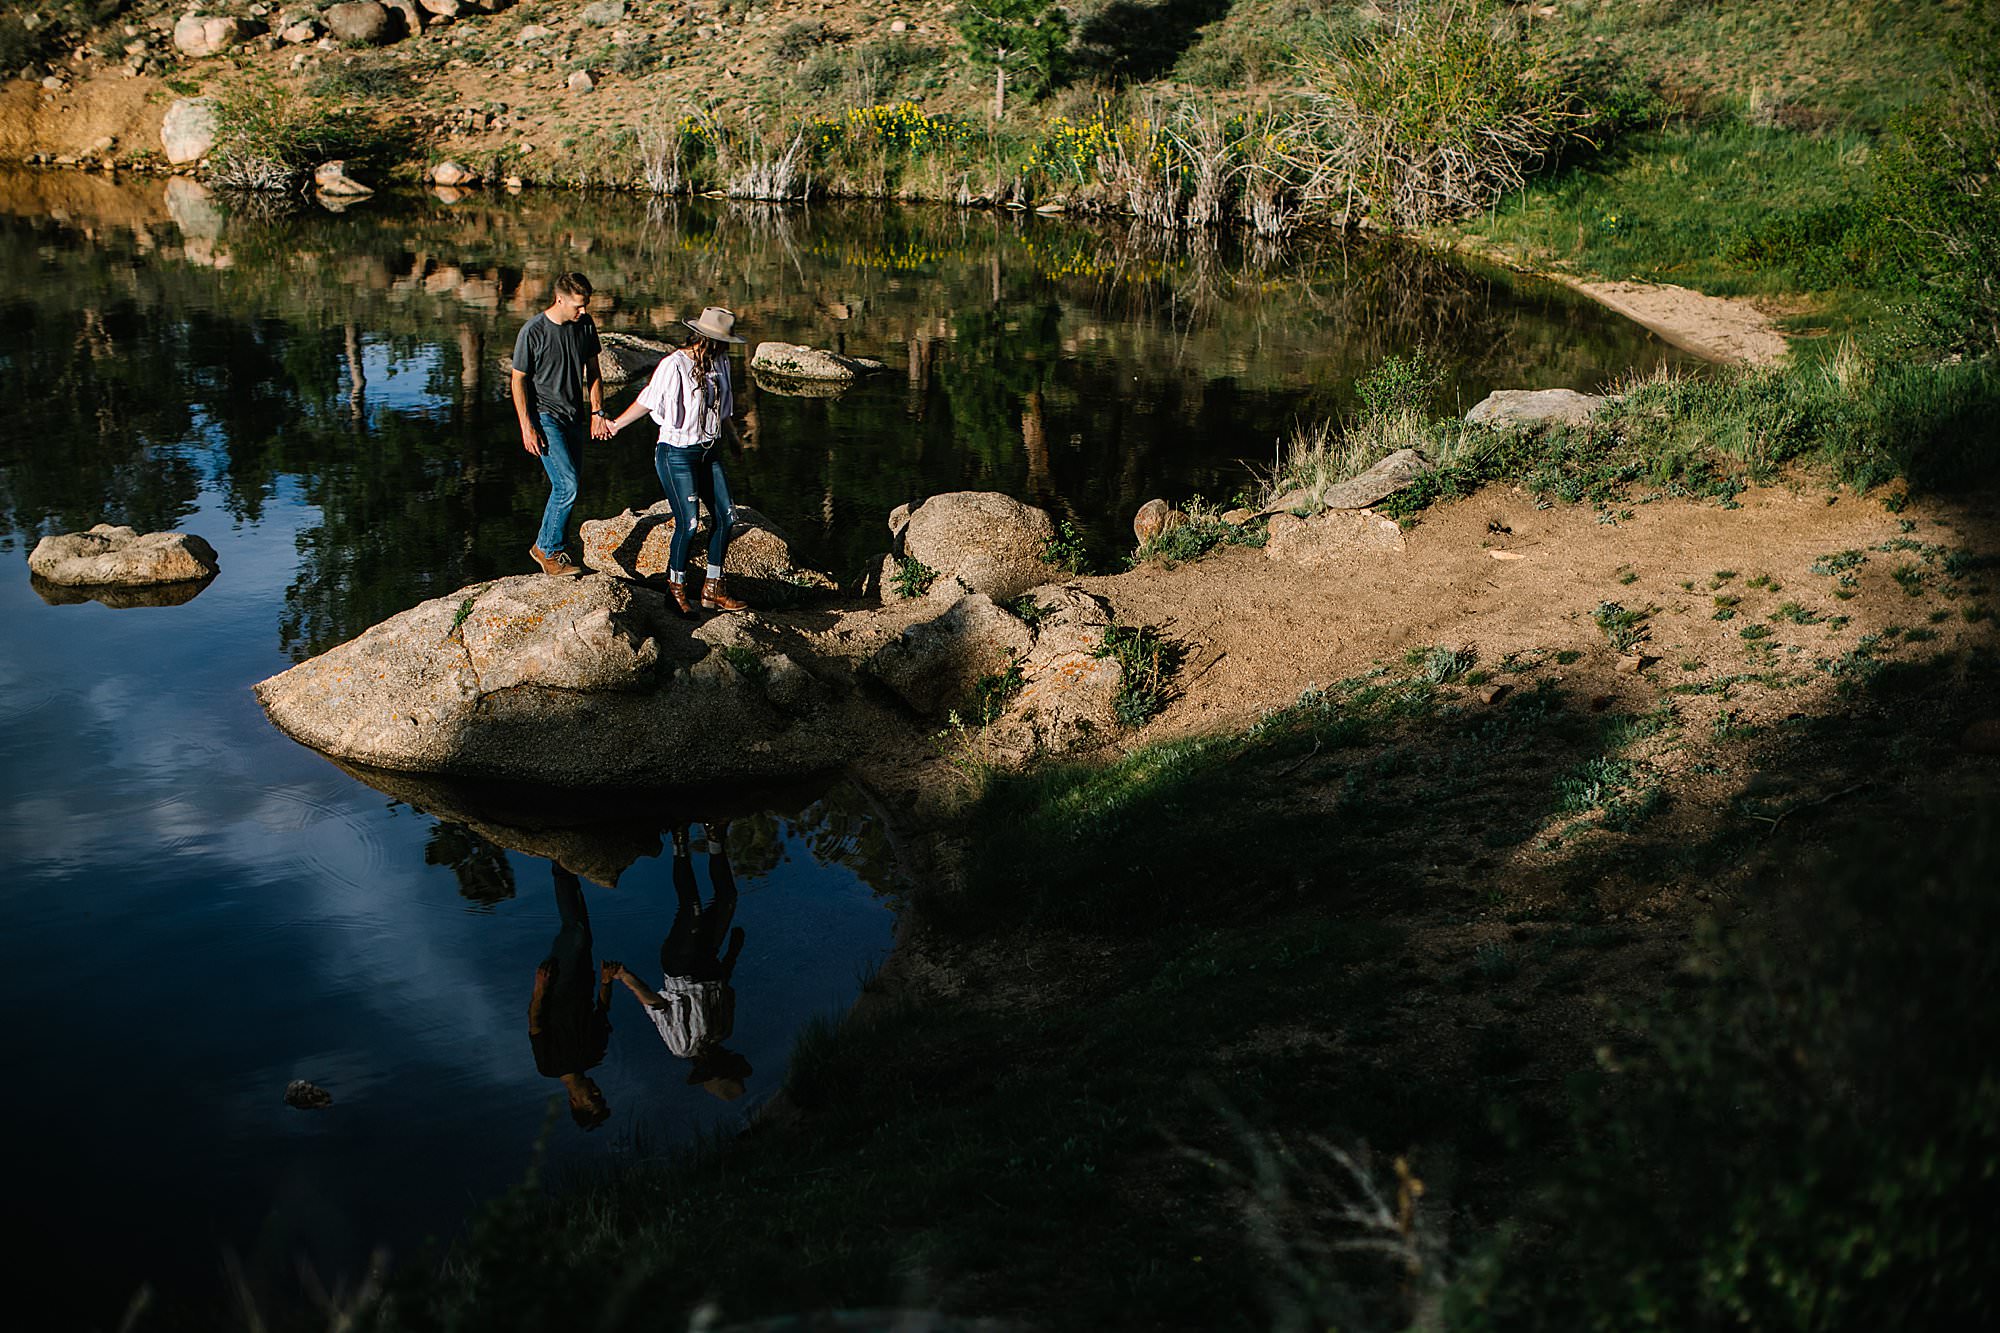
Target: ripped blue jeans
{"type": "Point", "coordinates": [690, 473]}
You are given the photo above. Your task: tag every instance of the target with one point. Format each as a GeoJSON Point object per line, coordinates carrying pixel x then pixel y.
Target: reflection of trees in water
{"type": "Point", "coordinates": [1081, 366]}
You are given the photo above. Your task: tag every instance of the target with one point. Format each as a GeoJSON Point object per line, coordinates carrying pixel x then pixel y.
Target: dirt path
{"type": "Point", "coordinates": [1259, 631]}
{"type": "Point", "coordinates": [1716, 328]}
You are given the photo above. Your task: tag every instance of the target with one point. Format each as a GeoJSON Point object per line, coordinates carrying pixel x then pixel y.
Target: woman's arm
{"type": "Point", "coordinates": [658, 399]}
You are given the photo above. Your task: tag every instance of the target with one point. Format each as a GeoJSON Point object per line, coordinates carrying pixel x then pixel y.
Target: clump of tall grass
{"type": "Point", "coordinates": [1396, 399]}
{"type": "Point", "coordinates": [268, 137]}
{"type": "Point", "coordinates": [1434, 112]}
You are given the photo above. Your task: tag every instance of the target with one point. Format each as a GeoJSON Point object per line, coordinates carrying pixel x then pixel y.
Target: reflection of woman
{"type": "Point", "coordinates": [569, 1015]}
{"type": "Point", "coordinates": [695, 1008]}
{"type": "Point", "coordinates": [690, 398]}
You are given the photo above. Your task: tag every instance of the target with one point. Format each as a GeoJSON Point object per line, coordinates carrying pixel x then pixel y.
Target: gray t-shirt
{"type": "Point", "coordinates": [560, 361]}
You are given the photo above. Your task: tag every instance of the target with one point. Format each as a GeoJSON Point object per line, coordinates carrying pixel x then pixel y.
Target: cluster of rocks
{"type": "Point", "coordinates": [197, 36]}
{"type": "Point", "coordinates": [500, 680]}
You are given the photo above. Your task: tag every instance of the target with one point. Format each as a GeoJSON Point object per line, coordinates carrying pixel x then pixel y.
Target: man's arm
{"type": "Point", "coordinates": [539, 1000]}
{"type": "Point", "coordinates": [531, 437]}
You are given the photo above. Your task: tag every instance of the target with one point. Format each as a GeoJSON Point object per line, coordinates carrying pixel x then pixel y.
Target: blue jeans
{"type": "Point", "coordinates": [563, 461]}
{"type": "Point", "coordinates": [690, 474]}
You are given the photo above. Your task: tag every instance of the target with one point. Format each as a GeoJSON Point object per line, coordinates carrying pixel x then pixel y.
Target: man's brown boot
{"type": "Point", "coordinates": [716, 598]}
{"type": "Point", "coordinates": [557, 565]}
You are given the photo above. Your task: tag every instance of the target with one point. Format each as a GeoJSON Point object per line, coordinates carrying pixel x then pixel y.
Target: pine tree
{"type": "Point", "coordinates": [1025, 38]}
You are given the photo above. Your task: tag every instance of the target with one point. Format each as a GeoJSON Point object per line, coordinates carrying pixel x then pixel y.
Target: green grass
{"type": "Point", "coordinates": [1668, 205]}
{"type": "Point", "coordinates": [912, 578]}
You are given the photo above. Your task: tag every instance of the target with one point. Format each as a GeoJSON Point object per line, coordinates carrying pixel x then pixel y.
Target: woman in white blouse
{"type": "Point", "coordinates": [690, 398]}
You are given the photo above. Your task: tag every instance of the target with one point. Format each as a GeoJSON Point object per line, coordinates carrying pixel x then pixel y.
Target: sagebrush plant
{"type": "Point", "coordinates": [1434, 112]}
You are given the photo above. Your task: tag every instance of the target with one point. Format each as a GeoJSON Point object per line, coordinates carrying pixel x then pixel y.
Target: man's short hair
{"type": "Point", "coordinates": [573, 284]}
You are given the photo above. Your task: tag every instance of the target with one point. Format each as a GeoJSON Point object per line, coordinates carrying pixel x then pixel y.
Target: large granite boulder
{"type": "Point", "coordinates": [187, 132]}
{"type": "Point", "coordinates": [935, 665]}
{"type": "Point", "coordinates": [1333, 537]}
{"type": "Point", "coordinates": [587, 682]}
{"type": "Point", "coordinates": [985, 541]}
{"type": "Point", "coordinates": [796, 361]}
{"type": "Point", "coordinates": [200, 35]}
{"type": "Point", "coordinates": [362, 23]}
{"type": "Point", "coordinates": [1533, 408]}
{"type": "Point", "coordinates": [108, 555]}
{"type": "Point", "coordinates": [636, 544]}
{"type": "Point", "coordinates": [1069, 693]}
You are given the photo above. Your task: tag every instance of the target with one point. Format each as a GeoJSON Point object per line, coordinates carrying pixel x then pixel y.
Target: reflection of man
{"type": "Point", "coordinates": [695, 1008]}
{"type": "Point", "coordinates": [569, 1015]}
{"type": "Point", "coordinates": [559, 396]}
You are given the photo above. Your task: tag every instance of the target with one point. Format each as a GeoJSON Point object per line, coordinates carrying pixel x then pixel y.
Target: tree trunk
{"type": "Point", "coordinates": [999, 91]}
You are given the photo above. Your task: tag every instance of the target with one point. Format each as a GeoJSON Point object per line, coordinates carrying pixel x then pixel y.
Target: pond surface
{"type": "Point", "coordinates": [204, 911]}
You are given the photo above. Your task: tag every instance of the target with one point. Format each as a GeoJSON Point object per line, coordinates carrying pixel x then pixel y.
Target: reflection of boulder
{"type": "Point", "coordinates": [595, 834]}
{"type": "Point", "coordinates": [988, 542]}
{"type": "Point", "coordinates": [153, 594]}
{"type": "Point", "coordinates": [790, 388]}
{"type": "Point", "coordinates": [637, 544]}
{"type": "Point", "coordinates": [587, 682]}
{"type": "Point", "coordinates": [795, 361]}
{"type": "Point", "coordinates": [193, 208]}
{"type": "Point", "coordinates": [108, 555]}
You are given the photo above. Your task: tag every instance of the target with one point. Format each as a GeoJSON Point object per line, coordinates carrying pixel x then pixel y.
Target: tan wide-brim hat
{"type": "Point", "coordinates": [716, 323]}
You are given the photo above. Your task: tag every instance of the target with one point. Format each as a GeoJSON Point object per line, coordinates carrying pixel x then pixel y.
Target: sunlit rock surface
{"type": "Point", "coordinates": [119, 556]}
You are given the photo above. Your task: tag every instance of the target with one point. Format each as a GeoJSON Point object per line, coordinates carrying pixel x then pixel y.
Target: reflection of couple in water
{"type": "Point", "coordinates": [569, 1015]}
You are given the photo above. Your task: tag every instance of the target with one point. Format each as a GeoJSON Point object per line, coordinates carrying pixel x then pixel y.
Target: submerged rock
{"type": "Point", "coordinates": [985, 541]}
{"type": "Point", "coordinates": [1527, 408]}
{"type": "Point", "coordinates": [108, 555]}
{"type": "Point", "coordinates": [307, 1096]}
{"type": "Point", "coordinates": [589, 682]}
{"type": "Point", "coordinates": [796, 361]}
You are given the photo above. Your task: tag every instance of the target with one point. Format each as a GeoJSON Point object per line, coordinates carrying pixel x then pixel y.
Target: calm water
{"type": "Point", "coordinates": [203, 911]}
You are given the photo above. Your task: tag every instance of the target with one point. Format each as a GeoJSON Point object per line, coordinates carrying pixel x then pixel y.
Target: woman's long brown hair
{"type": "Point", "coordinates": [702, 352]}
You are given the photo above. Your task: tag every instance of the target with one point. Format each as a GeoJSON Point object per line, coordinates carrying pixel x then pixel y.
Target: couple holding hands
{"type": "Point", "coordinates": [559, 394]}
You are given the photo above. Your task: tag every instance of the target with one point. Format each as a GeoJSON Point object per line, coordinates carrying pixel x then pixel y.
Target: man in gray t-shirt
{"type": "Point", "coordinates": [557, 393]}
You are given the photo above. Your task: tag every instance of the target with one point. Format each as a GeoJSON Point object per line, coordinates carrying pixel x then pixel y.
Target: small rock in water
{"type": "Point", "coordinates": [307, 1096]}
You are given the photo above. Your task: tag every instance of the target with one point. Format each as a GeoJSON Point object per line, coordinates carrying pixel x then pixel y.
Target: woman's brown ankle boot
{"type": "Point", "coordinates": [717, 598]}
{"type": "Point", "coordinates": [684, 597]}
